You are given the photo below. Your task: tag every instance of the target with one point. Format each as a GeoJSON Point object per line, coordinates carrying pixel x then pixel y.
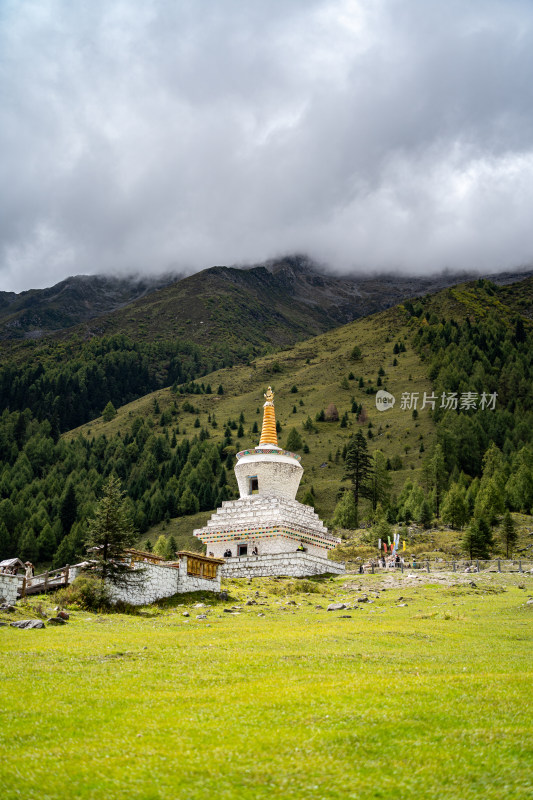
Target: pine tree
{"type": "Point", "coordinates": [109, 412]}
{"type": "Point", "coordinates": [425, 517]}
{"type": "Point", "coordinates": [380, 481]}
{"type": "Point", "coordinates": [308, 425]}
{"type": "Point", "coordinates": [66, 553]}
{"type": "Point", "coordinates": [5, 541]}
{"type": "Point", "coordinates": [189, 502]}
{"type": "Point", "coordinates": [68, 510]}
{"type": "Point", "coordinates": [478, 539]}
{"type": "Point", "coordinates": [110, 532]}
{"type": "Point", "coordinates": [489, 500]}
{"type": "Point", "coordinates": [28, 547]}
{"type": "Point", "coordinates": [308, 499]}
{"type": "Point", "coordinates": [358, 470]}
{"type": "Point", "coordinates": [438, 477]}
{"type": "Point", "coordinates": [172, 547]}
{"type": "Point", "coordinates": [454, 507]}
{"type": "Point", "coordinates": [381, 530]}
{"type": "Point", "coordinates": [47, 543]}
{"type": "Point", "coordinates": [345, 514]}
{"type": "Point", "coordinates": [160, 548]}
{"type": "Point", "coordinates": [294, 440]}
{"type": "Point", "coordinates": [509, 534]}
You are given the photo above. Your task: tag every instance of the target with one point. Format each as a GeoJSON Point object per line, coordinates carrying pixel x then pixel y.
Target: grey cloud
{"type": "Point", "coordinates": [147, 136]}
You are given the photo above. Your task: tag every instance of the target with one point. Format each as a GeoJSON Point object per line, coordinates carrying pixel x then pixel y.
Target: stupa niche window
{"type": "Point", "coordinates": [242, 550]}
{"type": "Point", "coordinates": [253, 485]}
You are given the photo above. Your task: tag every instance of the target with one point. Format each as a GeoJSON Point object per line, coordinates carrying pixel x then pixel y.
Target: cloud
{"type": "Point", "coordinates": [150, 136]}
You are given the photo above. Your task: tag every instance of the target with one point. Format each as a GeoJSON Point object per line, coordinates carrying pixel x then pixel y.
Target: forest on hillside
{"type": "Point", "coordinates": [70, 382]}
{"type": "Point", "coordinates": [480, 467]}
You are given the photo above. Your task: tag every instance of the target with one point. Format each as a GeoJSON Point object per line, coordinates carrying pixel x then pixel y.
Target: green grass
{"type": "Point", "coordinates": [427, 700]}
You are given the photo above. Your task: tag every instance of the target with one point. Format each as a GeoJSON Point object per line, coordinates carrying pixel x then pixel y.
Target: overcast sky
{"type": "Point", "coordinates": [157, 135]}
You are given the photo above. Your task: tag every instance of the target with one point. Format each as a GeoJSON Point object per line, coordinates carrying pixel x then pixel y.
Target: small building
{"type": "Point", "coordinates": [267, 532]}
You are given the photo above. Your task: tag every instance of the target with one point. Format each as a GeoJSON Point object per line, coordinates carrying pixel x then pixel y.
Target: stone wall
{"type": "Point", "coordinates": [265, 546]}
{"type": "Point", "coordinates": [146, 584]}
{"type": "Point", "coordinates": [8, 589]}
{"type": "Point", "coordinates": [298, 565]}
{"type": "Point", "coordinates": [150, 582]}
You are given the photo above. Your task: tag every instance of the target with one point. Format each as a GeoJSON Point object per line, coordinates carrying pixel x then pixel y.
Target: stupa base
{"type": "Point", "coordinates": [278, 565]}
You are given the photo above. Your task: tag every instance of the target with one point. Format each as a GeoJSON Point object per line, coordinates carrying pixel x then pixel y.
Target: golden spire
{"type": "Point", "coordinates": [268, 431]}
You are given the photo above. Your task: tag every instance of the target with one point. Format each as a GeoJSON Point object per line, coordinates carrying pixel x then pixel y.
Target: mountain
{"type": "Point", "coordinates": [216, 318]}
{"type": "Point", "coordinates": [33, 313]}
{"type": "Point", "coordinates": [275, 303]}
{"type": "Point", "coordinates": [174, 448]}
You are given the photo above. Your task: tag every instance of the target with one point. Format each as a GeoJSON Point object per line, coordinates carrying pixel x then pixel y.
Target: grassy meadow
{"type": "Point", "coordinates": [423, 692]}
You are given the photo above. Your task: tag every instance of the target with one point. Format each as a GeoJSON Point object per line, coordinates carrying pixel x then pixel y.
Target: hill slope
{"type": "Point", "coordinates": [174, 449]}
{"type": "Point", "coordinates": [215, 318]}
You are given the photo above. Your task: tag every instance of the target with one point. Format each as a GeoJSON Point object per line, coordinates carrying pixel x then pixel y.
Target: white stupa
{"type": "Point", "coordinates": [267, 531]}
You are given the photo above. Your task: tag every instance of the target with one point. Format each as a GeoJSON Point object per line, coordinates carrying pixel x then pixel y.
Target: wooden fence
{"type": "Point", "coordinates": [441, 565]}
{"type": "Point", "coordinates": [45, 582]}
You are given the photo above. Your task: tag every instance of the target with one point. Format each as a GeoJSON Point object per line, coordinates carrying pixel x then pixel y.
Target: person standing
{"type": "Point", "coordinates": [29, 572]}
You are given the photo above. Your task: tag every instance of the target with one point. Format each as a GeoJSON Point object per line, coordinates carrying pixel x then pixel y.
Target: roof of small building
{"type": "Point", "coordinates": [12, 562]}
{"type": "Point", "coordinates": [143, 554]}
{"type": "Point", "coordinates": [201, 556]}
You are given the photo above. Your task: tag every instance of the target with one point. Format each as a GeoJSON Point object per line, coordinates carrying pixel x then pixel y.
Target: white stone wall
{"type": "Point", "coordinates": [193, 583]}
{"type": "Point", "coordinates": [277, 475]}
{"type": "Point", "coordinates": [146, 584]}
{"type": "Point", "coordinates": [265, 546]}
{"type": "Point", "coordinates": [298, 565]}
{"type": "Point", "coordinates": [151, 582]}
{"type": "Point", "coordinates": [8, 589]}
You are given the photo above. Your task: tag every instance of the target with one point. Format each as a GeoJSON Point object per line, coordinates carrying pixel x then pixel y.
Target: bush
{"type": "Point", "coordinates": [331, 414]}
{"type": "Point", "coordinates": [86, 592]}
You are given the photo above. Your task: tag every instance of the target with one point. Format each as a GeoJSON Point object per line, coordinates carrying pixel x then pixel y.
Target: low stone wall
{"type": "Point", "coordinates": [150, 582]}
{"type": "Point", "coordinates": [146, 584]}
{"type": "Point", "coordinates": [8, 589]}
{"type": "Point", "coordinates": [295, 565]}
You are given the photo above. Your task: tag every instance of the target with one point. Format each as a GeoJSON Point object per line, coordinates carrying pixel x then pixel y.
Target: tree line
{"type": "Point", "coordinates": [49, 487]}
{"type": "Point", "coordinates": [70, 382]}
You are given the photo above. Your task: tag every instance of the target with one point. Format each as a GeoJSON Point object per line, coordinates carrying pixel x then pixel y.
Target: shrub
{"type": "Point", "coordinates": [332, 415]}
{"type": "Point", "coordinates": [86, 592]}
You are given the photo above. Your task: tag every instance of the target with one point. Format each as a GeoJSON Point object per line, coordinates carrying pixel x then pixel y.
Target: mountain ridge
{"type": "Point", "coordinates": [294, 281]}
